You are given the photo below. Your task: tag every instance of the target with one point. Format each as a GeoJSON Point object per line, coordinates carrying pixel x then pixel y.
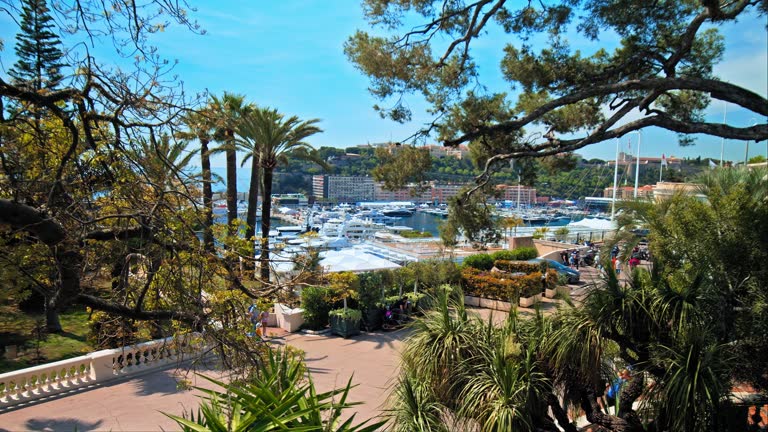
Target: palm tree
{"type": "Point", "coordinates": [277, 137]}
{"type": "Point", "coordinates": [201, 127]}
{"type": "Point", "coordinates": [162, 160]}
{"type": "Point", "coordinates": [511, 222]}
{"type": "Point", "coordinates": [229, 110]}
{"type": "Point", "coordinates": [250, 143]}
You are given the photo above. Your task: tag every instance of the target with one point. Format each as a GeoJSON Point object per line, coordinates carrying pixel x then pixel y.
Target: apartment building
{"type": "Point", "coordinates": [404, 194]}
{"type": "Point", "coordinates": [343, 188]}
{"type": "Point", "coordinates": [525, 194]}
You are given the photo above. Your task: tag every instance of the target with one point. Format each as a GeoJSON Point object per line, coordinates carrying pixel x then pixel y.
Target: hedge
{"type": "Point", "coordinates": [517, 266]}
{"type": "Point", "coordinates": [526, 253]}
{"type": "Point", "coordinates": [498, 287]}
{"type": "Point", "coordinates": [507, 255]}
{"type": "Point", "coordinates": [478, 261]}
{"type": "Point", "coordinates": [519, 254]}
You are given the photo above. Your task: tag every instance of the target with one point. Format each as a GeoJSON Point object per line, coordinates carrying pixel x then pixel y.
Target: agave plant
{"type": "Point", "coordinates": [280, 397]}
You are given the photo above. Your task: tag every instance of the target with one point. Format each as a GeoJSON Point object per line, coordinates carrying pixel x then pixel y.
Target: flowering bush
{"type": "Point", "coordinates": [505, 287]}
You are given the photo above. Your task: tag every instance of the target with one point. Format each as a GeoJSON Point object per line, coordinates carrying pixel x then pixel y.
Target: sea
{"type": "Point", "coordinates": [419, 221]}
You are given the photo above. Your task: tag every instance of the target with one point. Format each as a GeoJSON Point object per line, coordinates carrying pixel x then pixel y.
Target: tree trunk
{"type": "Point", "coordinates": [205, 161]}
{"type": "Point", "coordinates": [266, 208]}
{"type": "Point", "coordinates": [231, 181]}
{"type": "Point", "coordinates": [52, 322]}
{"type": "Point", "coordinates": [253, 202]}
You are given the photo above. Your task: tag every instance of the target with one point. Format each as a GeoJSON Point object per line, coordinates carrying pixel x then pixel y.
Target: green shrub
{"type": "Point", "coordinates": [504, 255]}
{"type": "Point", "coordinates": [348, 313]}
{"type": "Point", "coordinates": [370, 289]}
{"type": "Point", "coordinates": [526, 253]}
{"type": "Point", "coordinates": [317, 302]}
{"type": "Point", "coordinates": [517, 266]}
{"type": "Point", "coordinates": [430, 274]}
{"type": "Point", "coordinates": [479, 261]}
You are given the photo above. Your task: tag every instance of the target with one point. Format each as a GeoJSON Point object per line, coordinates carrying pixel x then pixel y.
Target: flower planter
{"type": "Point", "coordinates": [527, 302]}
{"type": "Point", "coordinates": [563, 290]}
{"type": "Point", "coordinates": [493, 304]}
{"type": "Point", "coordinates": [550, 293]}
{"type": "Point", "coordinates": [373, 318]}
{"type": "Point", "coordinates": [344, 327]}
{"type": "Point", "coordinates": [487, 303]}
{"type": "Point", "coordinates": [472, 301]}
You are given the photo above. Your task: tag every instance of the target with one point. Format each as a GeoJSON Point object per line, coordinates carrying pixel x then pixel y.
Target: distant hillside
{"type": "Point", "coordinates": [587, 178]}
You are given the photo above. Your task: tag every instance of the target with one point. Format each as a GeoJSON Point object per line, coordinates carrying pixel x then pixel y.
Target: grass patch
{"type": "Point", "coordinates": [18, 328]}
{"type": "Point", "coordinates": [416, 234]}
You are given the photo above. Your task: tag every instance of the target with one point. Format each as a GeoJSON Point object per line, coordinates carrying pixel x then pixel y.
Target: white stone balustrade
{"type": "Point", "coordinates": [45, 380]}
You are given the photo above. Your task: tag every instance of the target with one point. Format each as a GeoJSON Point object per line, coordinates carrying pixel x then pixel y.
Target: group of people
{"type": "Point", "coordinates": [572, 258]}
{"type": "Point", "coordinates": [259, 321]}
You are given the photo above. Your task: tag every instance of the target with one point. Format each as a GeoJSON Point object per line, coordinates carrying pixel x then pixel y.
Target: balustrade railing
{"type": "Point", "coordinates": [97, 367]}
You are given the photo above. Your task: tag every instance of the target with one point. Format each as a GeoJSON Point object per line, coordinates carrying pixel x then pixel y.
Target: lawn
{"type": "Point", "coordinates": [18, 328]}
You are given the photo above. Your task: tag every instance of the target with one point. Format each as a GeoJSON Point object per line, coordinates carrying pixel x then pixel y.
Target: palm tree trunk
{"type": "Point", "coordinates": [231, 181]}
{"type": "Point", "coordinates": [205, 161]}
{"type": "Point", "coordinates": [253, 201]}
{"type": "Point", "coordinates": [266, 208]}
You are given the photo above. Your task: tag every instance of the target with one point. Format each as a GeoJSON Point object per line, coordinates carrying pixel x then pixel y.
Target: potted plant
{"type": "Point", "coordinates": [530, 289]}
{"type": "Point", "coordinates": [345, 322]}
{"type": "Point", "coordinates": [370, 296]}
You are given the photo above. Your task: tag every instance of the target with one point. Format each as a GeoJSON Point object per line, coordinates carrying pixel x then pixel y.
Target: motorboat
{"type": "Point", "coordinates": [397, 211]}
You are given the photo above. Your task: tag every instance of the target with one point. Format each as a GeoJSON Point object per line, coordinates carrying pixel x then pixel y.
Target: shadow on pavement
{"type": "Point", "coordinates": [61, 424]}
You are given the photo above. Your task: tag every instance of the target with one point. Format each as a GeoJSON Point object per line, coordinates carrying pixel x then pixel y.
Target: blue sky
{"type": "Point", "coordinates": [289, 55]}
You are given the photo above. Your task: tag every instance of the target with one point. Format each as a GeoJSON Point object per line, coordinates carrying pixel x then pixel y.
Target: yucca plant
{"type": "Point", "coordinates": [280, 397]}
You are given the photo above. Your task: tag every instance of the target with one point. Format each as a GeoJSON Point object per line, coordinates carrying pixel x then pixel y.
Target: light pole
{"type": "Point", "coordinates": [637, 165]}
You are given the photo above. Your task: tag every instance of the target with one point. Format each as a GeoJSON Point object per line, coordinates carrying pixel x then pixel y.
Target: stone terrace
{"type": "Point", "coordinates": [137, 404]}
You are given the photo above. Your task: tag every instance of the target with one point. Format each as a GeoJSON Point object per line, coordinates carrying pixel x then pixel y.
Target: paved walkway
{"type": "Point", "coordinates": [137, 404]}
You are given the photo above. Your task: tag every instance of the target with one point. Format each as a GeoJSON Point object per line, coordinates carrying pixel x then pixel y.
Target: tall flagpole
{"type": "Point", "coordinates": [615, 179]}
{"type": "Point", "coordinates": [661, 167]}
{"type": "Point", "coordinates": [722, 140]}
{"type": "Point", "coordinates": [637, 167]}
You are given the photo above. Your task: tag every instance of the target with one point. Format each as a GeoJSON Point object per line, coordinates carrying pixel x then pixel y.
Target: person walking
{"type": "Point", "coordinates": [264, 323]}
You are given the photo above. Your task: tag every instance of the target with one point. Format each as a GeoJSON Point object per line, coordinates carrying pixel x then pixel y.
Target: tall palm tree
{"type": "Point", "coordinates": [162, 160]}
{"type": "Point", "coordinates": [229, 110]}
{"type": "Point", "coordinates": [250, 143]}
{"type": "Point", "coordinates": [201, 127]}
{"type": "Point", "coordinates": [277, 136]}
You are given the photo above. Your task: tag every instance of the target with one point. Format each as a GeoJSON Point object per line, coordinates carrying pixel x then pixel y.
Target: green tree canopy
{"type": "Point", "coordinates": [661, 68]}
